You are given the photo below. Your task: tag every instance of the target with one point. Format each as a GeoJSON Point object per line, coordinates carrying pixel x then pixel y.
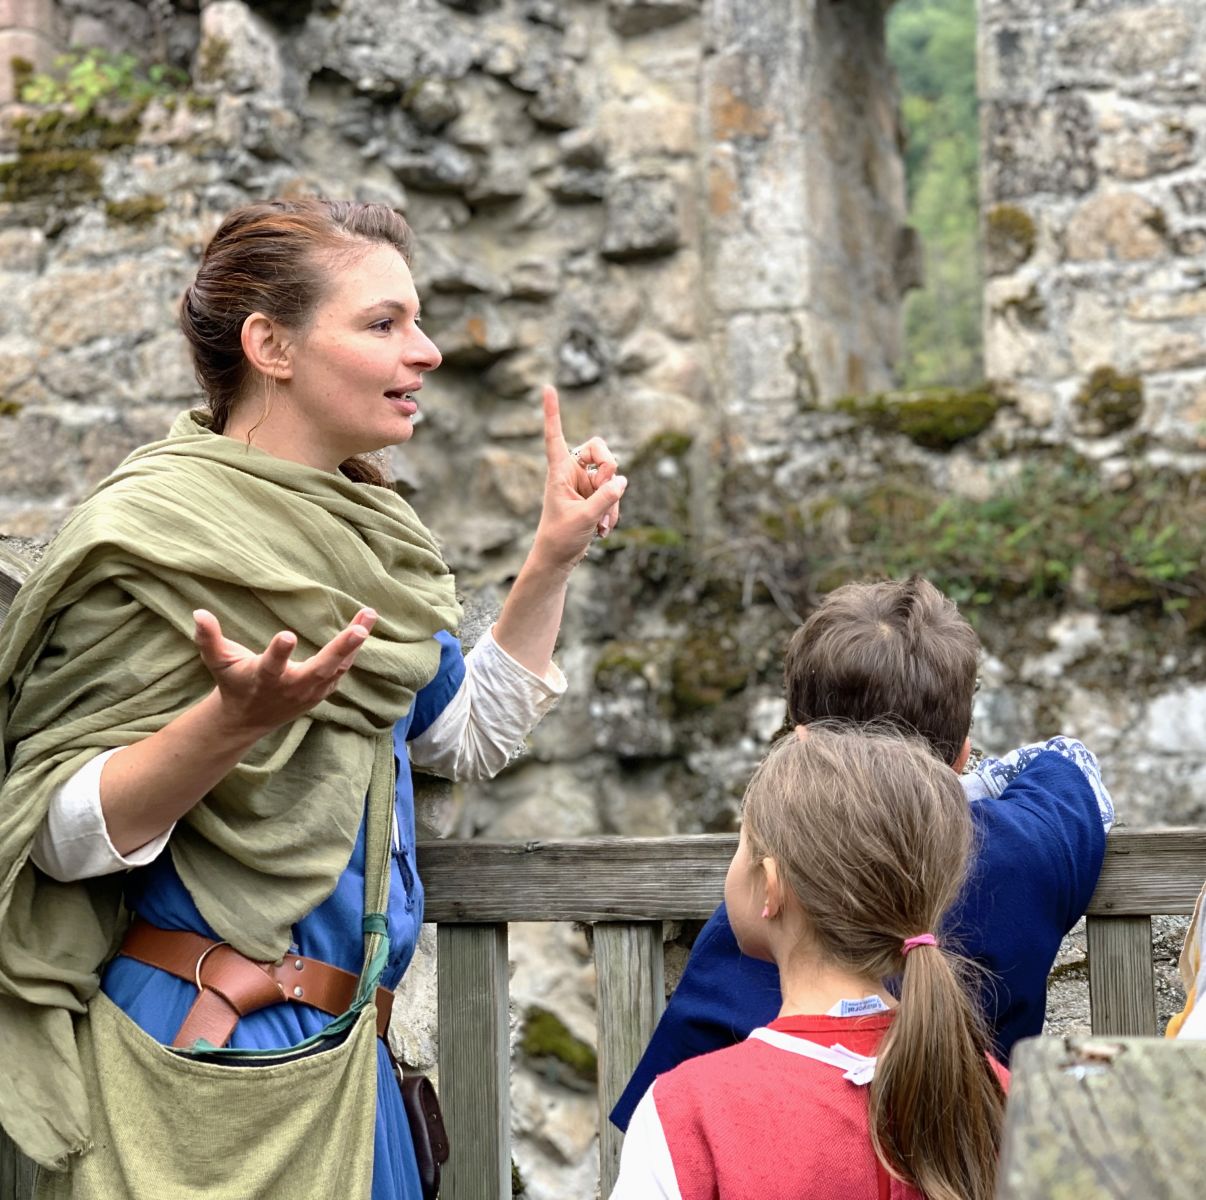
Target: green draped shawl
{"type": "Point", "coordinates": [97, 652]}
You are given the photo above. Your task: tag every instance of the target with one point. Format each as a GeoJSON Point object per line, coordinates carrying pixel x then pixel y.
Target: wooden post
{"type": "Point", "coordinates": [1122, 988]}
{"type": "Point", "coordinates": [475, 1060]}
{"type": "Point", "coordinates": [1104, 1117]}
{"type": "Point", "coordinates": [630, 977]}
{"type": "Point", "coordinates": [16, 1171]}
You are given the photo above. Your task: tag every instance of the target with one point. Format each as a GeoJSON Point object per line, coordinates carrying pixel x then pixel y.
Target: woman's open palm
{"type": "Point", "coordinates": [266, 690]}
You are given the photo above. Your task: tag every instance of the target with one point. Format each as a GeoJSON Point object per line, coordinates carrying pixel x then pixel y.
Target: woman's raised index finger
{"type": "Point", "coordinates": [554, 440]}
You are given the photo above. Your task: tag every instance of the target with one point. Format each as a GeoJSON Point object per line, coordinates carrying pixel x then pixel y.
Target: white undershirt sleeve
{"type": "Point", "coordinates": [73, 842]}
{"type": "Point", "coordinates": [497, 705]}
{"type": "Point", "coordinates": [646, 1168]}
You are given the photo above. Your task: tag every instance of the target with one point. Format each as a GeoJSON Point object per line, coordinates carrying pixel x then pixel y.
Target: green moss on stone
{"type": "Point", "coordinates": [667, 444]}
{"type": "Point", "coordinates": [67, 129]}
{"type": "Point", "coordinates": [10, 408]}
{"type": "Point", "coordinates": [546, 1037]}
{"type": "Point", "coordinates": [1009, 238]}
{"type": "Point", "coordinates": [62, 176]}
{"type": "Point", "coordinates": [617, 664]}
{"type": "Point", "coordinates": [1109, 402]}
{"type": "Point", "coordinates": [518, 1187]}
{"type": "Point", "coordinates": [195, 102]}
{"type": "Point", "coordinates": [137, 211]}
{"type": "Point", "coordinates": [937, 418]}
{"type": "Point", "coordinates": [212, 59]}
{"type": "Point", "coordinates": [706, 668]}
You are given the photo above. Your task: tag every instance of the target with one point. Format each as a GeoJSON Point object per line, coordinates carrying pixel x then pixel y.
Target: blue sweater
{"type": "Point", "coordinates": [1039, 849]}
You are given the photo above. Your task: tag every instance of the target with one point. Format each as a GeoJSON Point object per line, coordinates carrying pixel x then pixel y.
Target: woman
{"type": "Point", "coordinates": [211, 659]}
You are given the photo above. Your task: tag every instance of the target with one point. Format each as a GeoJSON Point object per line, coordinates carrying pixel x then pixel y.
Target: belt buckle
{"type": "Point", "coordinates": [200, 962]}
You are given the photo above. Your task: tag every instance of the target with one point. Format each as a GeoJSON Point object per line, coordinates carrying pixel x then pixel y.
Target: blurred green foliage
{"type": "Point", "coordinates": [932, 44]}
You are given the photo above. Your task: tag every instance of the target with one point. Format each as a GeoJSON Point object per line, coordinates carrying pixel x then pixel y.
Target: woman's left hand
{"type": "Point", "coordinates": [581, 492]}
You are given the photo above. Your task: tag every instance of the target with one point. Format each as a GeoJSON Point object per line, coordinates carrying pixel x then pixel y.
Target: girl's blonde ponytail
{"type": "Point", "coordinates": [937, 1104]}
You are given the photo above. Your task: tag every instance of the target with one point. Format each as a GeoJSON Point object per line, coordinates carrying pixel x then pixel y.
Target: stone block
{"type": "Point", "coordinates": [238, 51]}
{"type": "Point", "coordinates": [23, 46]}
{"type": "Point", "coordinates": [1121, 226]}
{"type": "Point", "coordinates": [33, 16]}
{"type": "Point", "coordinates": [632, 17]}
{"type": "Point", "coordinates": [1155, 39]}
{"type": "Point", "coordinates": [473, 334]}
{"type": "Point", "coordinates": [1038, 146]}
{"type": "Point", "coordinates": [515, 478]}
{"type": "Point", "coordinates": [760, 272]}
{"type": "Point", "coordinates": [643, 219]}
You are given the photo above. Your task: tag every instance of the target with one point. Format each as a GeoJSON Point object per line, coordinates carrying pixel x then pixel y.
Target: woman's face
{"type": "Point", "coordinates": [744, 898]}
{"type": "Point", "coordinates": [358, 368]}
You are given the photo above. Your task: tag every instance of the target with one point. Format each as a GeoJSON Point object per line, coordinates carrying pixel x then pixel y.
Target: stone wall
{"type": "Point", "coordinates": [1094, 191]}
{"type": "Point", "coordinates": [690, 215]}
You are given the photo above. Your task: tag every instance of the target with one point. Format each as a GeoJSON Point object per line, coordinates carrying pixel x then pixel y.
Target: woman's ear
{"type": "Point", "coordinates": [962, 757]}
{"type": "Point", "coordinates": [266, 348]}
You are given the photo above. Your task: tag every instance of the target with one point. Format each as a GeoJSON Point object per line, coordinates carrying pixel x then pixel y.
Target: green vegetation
{"type": "Point", "coordinates": [546, 1039]}
{"type": "Point", "coordinates": [1108, 402]}
{"type": "Point", "coordinates": [937, 418]}
{"type": "Point", "coordinates": [87, 79]}
{"type": "Point", "coordinates": [1010, 238]}
{"type": "Point", "coordinates": [137, 211]}
{"type": "Point", "coordinates": [1053, 530]}
{"type": "Point", "coordinates": [932, 44]}
{"type": "Point", "coordinates": [62, 176]}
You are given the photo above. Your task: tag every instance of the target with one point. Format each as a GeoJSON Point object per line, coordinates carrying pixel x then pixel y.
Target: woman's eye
{"type": "Point", "coordinates": [384, 325]}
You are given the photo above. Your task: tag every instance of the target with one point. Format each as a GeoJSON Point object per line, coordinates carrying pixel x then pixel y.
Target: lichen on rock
{"type": "Point", "coordinates": [1109, 402]}
{"type": "Point", "coordinates": [936, 418]}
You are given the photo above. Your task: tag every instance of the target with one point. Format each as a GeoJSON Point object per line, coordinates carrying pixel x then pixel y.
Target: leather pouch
{"type": "Point", "coordinates": [426, 1128]}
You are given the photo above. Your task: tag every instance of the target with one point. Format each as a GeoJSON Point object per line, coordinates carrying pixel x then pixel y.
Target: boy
{"type": "Point", "coordinates": [900, 653]}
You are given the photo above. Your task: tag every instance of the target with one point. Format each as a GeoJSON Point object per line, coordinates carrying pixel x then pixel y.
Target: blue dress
{"type": "Point", "coordinates": [158, 1002]}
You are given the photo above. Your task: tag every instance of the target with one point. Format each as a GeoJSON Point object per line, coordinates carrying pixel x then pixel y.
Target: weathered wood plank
{"type": "Point", "coordinates": [681, 878]}
{"type": "Point", "coordinates": [16, 1172]}
{"type": "Point", "coordinates": [591, 879]}
{"type": "Point", "coordinates": [1122, 985]}
{"type": "Point", "coordinates": [1149, 871]}
{"type": "Point", "coordinates": [629, 967]}
{"type": "Point", "coordinates": [1104, 1118]}
{"type": "Point", "coordinates": [475, 1060]}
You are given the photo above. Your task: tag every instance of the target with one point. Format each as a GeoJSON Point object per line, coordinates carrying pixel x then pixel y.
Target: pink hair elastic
{"type": "Point", "coordinates": [922, 939]}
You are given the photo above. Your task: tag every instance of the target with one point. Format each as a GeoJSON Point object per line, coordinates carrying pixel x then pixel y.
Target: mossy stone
{"type": "Point", "coordinates": [706, 669]}
{"type": "Point", "coordinates": [568, 1059]}
{"type": "Point", "coordinates": [1009, 238]}
{"type": "Point", "coordinates": [936, 418]}
{"type": "Point", "coordinates": [137, 211]}
{"type": "Point", "coordinates": [618, 664]}
{"type": "Point", "coordinates": [58, 176]}
{"type": "Point", "coordinates": [66, 129]}
{"type": "Point", "coordinates": [211, 59]}
{"type": "Point", "coordinates": [1108, 403]}
{"type": "Point", "coordinates": [10, 408]}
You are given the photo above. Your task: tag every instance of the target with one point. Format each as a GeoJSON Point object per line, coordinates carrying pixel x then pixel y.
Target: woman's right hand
{"type": "Point", "coordinates": [261, 692]}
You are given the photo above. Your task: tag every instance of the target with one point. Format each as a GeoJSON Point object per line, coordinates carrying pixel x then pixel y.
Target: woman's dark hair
{"type": "Point", "coordinates": [274, 257]}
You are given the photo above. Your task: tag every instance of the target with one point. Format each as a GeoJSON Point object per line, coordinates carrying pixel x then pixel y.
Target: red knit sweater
{"type": "Point", "coordinates": [757, 1122]}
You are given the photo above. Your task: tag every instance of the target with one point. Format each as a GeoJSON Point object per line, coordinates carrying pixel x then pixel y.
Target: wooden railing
{"type": "Point", "coordinates": [625, 888]}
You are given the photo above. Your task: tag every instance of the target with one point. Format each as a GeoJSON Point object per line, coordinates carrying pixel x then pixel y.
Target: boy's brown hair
{"type": "Point", "coordinates": [898, 652]}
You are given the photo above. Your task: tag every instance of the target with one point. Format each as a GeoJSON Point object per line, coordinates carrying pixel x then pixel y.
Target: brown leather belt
{"type": "Point", "coordinates": [230, 985]}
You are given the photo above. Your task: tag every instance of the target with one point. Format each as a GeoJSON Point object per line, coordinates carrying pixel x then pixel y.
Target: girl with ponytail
{"type": "Point", "coordinates": [874, 1082]}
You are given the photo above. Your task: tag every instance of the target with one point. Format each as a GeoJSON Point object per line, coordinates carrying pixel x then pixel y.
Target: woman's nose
{"type": "Point", "coordinates": [422, 352]}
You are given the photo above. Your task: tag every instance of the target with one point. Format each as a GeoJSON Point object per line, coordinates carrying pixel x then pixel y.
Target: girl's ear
{"type": "Point", "coordinates": [266, 348]}
{"type": "Point", "coordinates": [774, 887]}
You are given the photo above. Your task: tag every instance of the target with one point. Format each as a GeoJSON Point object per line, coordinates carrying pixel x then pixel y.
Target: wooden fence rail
{"type": "Point", "coordinates": [626, 888]}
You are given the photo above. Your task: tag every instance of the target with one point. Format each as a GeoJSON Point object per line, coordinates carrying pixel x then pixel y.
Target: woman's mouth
{"type": "Point", "coordinates": [405, 402]}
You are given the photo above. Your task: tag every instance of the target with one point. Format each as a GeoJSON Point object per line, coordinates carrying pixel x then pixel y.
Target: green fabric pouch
{"type": "Point", "coordinates": [228, 1124]}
